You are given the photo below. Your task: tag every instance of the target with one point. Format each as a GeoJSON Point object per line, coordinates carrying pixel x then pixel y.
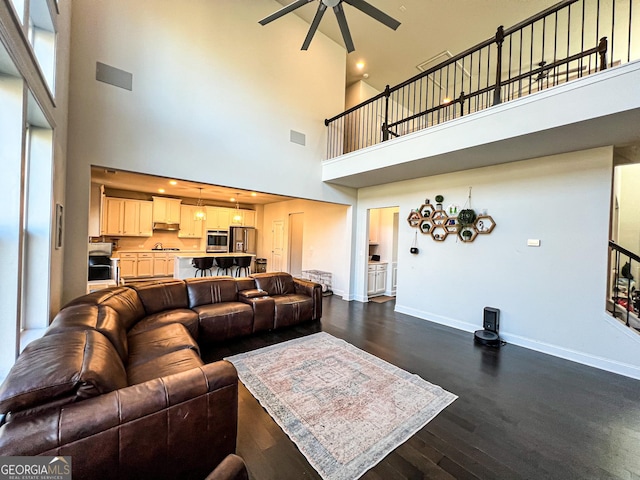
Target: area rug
{"type": "Point", "coordinates": [344, 408]}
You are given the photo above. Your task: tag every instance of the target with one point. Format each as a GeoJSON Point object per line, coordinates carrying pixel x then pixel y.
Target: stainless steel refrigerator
{"type": "Point", "coordinates": [243, 239]}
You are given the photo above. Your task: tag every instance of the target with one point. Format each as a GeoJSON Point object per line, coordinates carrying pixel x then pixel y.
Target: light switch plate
{"type": "Point", "coordinates": [533, 242]}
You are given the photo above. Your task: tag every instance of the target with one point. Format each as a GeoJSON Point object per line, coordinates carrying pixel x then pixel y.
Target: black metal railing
{"type": "Point", "coordinates": [569, 40]}
{"type": "Point", "coordinates": [624, 299]}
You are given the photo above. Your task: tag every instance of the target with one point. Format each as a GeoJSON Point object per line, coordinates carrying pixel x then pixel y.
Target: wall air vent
{"type": "Point", "coordinates": [114, 76]}
{"type": "Point", "coordinates": [438, 59]}
{"type": "Point", "coordinates": [297, 137]}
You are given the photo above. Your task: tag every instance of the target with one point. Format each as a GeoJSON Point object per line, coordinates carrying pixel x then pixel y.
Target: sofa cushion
{"type": "Point", "coordinates": [102, 318]}
{"type": "Point", "coordinates": [77, 364]}
{"type": "Point", "coordinates": [208, 290]}
{"type": "Point", "coordinates": [149, 344]}
{"type": "Point", "coordinates": [123, 300]}
{"type": "Point", "coordinates": [222, 321]}
{"type": "Point", "coordinates": [292, 309]}
{"type": "Point", "coordinates": [158, 296]}
{"type": "Point", "coordinates": [186, 317]}
{"type": "Point", "coordinates": [168, 364]}
{"type": "Point", "coordinates": [275, 283]}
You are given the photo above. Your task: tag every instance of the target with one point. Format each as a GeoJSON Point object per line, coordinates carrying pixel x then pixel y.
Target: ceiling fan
{"type": "Point", "coordinates": [361, 5]}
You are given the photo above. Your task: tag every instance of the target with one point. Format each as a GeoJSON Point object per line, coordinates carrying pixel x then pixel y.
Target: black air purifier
{"type": "Point", "coordinates": [489, 336]}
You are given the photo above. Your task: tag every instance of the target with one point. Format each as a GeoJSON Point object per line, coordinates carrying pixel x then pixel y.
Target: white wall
{"type": "Point", "coordinates": [551, 298]}
{"type": "Point", "coordinates": [214, 98]}
{"type": "Point", "coordinates": [326, 238]}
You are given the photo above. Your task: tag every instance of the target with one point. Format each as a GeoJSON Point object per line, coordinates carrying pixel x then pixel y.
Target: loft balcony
{"type": "Point", "coordinates": [566, 79]}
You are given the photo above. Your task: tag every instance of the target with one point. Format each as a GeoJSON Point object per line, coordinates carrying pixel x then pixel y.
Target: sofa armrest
{"type": "Point", "coordinates": [313, 290]}
{"type": "Point", "coordinates": [263, 308]}
{"type": "Point", "coordinates": [253, 293]}
{"type": "Point", "coordinates": [231, 468]}
{"type": "Point", "coordinates": [178, 426]}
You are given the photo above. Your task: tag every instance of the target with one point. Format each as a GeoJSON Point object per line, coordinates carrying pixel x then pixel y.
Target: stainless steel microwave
{"type": "Point", "coordinates": [217, 241]}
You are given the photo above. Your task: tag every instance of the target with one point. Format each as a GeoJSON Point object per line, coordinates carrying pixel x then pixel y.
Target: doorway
{"type": "Point", "coordinates": [277, 245]}
{"type": "Point", "coordinates": [296, 227]}
{"type": "Point", "coordinates": [383, 253]}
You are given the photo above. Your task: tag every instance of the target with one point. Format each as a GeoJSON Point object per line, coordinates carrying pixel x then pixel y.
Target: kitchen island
{"type": "Point", "coordinates": [183, 268]}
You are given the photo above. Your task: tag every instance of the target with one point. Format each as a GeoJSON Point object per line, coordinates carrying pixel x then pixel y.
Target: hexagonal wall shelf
{"type": "Point", "coordinates": [426, 209]}
{"type": "Point", "coordinates": [439, 233]}
{"type": "Point", "coordinates": [467, 234]}
{"type": "Point", "coordinates": [439, 217]}
{"type": "Point", "coordinates": [414, 218]}
{"type": "Point", "coordinates": [484, 224]}
{"type": "Point", "coordinates": [425, 226]}
{"type": "Point", "coordinates": [451, 225]}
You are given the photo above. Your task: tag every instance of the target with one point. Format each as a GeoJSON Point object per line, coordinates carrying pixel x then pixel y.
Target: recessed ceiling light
{"type": "Point", "coordinates": [254, 194]}
{"type": "Point", "coordinates": [161, 190]}
{"type": "Point", "coordinates": [360, 65]}
{"type": "Point", "coordinates": [172, 182]}
{"type": "Point", "coordinates": [232, 199]}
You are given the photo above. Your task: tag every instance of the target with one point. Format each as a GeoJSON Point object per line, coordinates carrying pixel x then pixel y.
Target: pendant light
{"type": "Point", "coordinates": [237, 218]}
{"type": "Point", "coordinates": [200, 213]}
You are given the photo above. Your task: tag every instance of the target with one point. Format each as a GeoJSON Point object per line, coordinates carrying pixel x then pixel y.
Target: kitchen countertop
{"type": "Point", "coordinates": [148, 250]}
{"type": "Point", "coordinates": [204, 254]}
{"type": "Point", "coordinates": [376, 262]}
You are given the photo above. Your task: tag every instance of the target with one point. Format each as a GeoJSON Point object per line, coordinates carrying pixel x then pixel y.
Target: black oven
{"type": "Point", "coordinates": [217, 241]}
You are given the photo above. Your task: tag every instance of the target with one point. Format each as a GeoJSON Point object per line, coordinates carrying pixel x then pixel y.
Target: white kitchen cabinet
{"type": "Point", "coordinates": [128, 265]}
{"type": "Point", "coordinates": [189, 226]}
{"type": "Point", "coordinates": [112, 216]}
{"type": "Point", "coordinates": [170, 264]}
{"type": "Point", "coordinates": [124, 217]}
{"type": "Point", "coordinates": [145, 265]}
{"type": "Point", "coordinates": [376, 279]}
{"type": "Point", "coordinates": [218, 218]}
{"type": "Point", "coordinates": [159, 264]}
{"type": "Point", "coordinates": [145, 226]}
{"type": "Point", "coordinates": [166, 210]}
{"type": "Point", "coordinates": [163, 264]}
{"type": "Point", "coordinates": [248, 218]}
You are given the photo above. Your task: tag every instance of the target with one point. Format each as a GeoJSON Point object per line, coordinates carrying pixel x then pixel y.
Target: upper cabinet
{"type": "Point", "coordinates": [124, 217]}
{"type": "Point", "coordinates": [248, 218]}
{"type": "Point", "coordinates": [166, 210]}
{"type": "Point", "coordinates": [218, 218]}
{"type": "Point", "coordinates": [189, 226]}
{"type": "Point", "coordinates": [221, 218]}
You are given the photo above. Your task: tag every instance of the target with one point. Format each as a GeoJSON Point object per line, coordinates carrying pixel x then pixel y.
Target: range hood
{"type": "Point", "coordinates": [167, 227]}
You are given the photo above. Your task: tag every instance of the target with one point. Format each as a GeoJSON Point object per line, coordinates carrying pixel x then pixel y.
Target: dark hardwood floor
{"type": "Point", "coordinates": [520, 414]}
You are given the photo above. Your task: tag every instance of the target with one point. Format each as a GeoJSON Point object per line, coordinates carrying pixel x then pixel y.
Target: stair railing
{"type": "Point", "coordinates": [623, 292]}
{"type": "Point", "coordinates": [562, 43]}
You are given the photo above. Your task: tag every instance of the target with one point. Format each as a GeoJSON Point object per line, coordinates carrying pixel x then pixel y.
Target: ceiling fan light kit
{"type": "Point", "coordinates": [336, 5]}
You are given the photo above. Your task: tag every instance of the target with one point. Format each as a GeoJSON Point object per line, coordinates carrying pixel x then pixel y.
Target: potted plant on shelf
{"type": "Point", "coordinates": [439, 200]}
{"type": "Point", "coordinates": [466, 217]}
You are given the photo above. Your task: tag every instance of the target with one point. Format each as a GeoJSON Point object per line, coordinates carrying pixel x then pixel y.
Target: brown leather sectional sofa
{"type": "Point", "coordinates": [117, 382]}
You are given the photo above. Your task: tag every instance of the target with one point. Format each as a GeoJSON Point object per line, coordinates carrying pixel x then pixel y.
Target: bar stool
{"type": "Point", "coordinates": [224, 264]}
{"type": "Point", "coordinates": [202, 264]}
{"type": "Point", "coordinates": [243, 263]}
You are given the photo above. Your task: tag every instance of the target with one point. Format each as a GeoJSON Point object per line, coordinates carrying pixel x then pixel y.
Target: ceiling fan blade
{"type": "Point", "coordinates": [283, 11]}
{"type": "Point", "coordinates": [344, 28]}
{"type": "Point", "coordinates": [314, 25]}
{"type": "Point", "coordinates": [373, 12]}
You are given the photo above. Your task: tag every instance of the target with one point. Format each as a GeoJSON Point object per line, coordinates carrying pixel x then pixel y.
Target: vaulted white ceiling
{"type": "Point", "coordinates": [428, 27]}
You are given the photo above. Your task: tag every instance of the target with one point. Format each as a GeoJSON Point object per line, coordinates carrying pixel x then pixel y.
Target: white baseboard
{"type": "Point", "coordinates": [606, 364]}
